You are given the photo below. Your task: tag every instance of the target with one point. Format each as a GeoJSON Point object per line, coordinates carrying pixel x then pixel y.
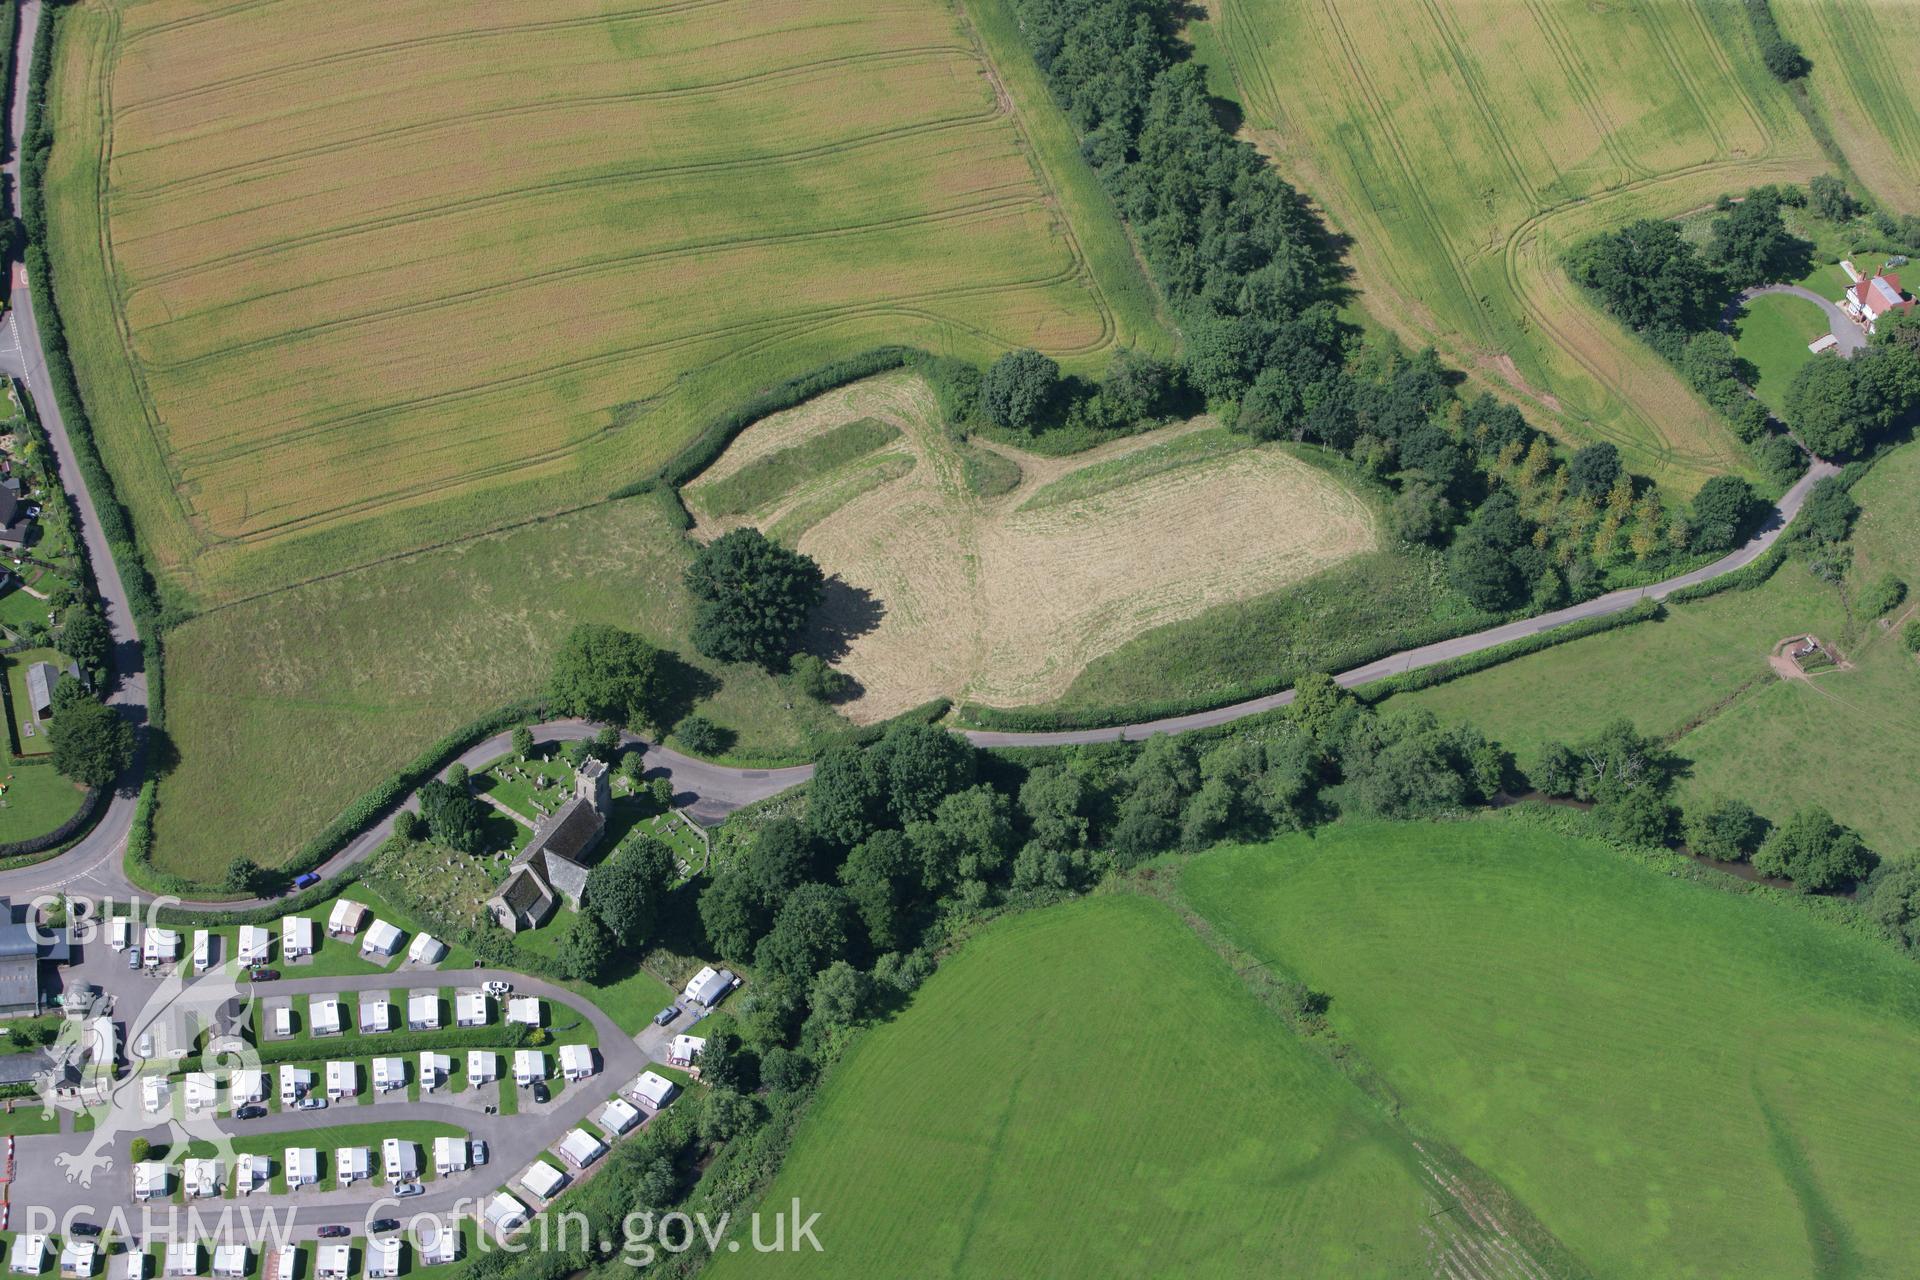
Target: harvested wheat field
{"type": "Point", "coordinates": [1466, 145]}
{"type": "Point", "coordinates": [347, 280]}
{"type": "Point", "coordinates": [1864, 54]}
{"type": "Point", "coordinates": [1004, 600]}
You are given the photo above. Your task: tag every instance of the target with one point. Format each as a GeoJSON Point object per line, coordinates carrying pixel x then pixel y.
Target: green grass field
{"type": "Point", "coordinates": [1773, 337]}
{"type": "Point", "coordinates": [777, 474]}
{"type": "Point", "coordinates": [314, 334]}
{"type": "Point", "coordinates": [34, 800]}
{"type": "Point", "coordinates": [1332, 621]}
{"type": "Point", "coordinates": [1466, 146]}
{"type": "Point", "coordinates": [1678, 1081]}
{"type": "Point", "coordinates": [1849, 740]}
{"type": "Point", "coordinates": [29, 735]}
{"type": "Point", "coordinates": [1090, 1091]}
{"type": "Point", "coordinates": [287, 707]}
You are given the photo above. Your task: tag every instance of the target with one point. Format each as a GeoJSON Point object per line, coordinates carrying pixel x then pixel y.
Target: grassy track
{"type": "Point", "coordinates": [1089, 1091]}
{"type": "Point", "coordinates": [286, 708]}
{"type": "Point", "coordinates": [1863, 57]}
{"type": "Point", "coordinates": [1849, 740]}
{"type": "Point", "coordinates": [1465, 146]}
{"type": "Point", "coordinates": [347, 284]}
{"type": "Point", "coordinates": [1677, 1081]}
{"type": "Point", "coordinates": [1773, 335]}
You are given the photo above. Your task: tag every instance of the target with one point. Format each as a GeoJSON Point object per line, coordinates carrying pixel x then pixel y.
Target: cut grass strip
{"type": "Point", "coordinates": [777, 474]}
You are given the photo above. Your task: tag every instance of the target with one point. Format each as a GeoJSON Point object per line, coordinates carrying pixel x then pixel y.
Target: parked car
{"type": "Point", "coordinates": [312, 1102]}
{"type": "Point", "coordinates": [479, 1149]}
{"type": "Point", "coordinates": [306, 881]}
{"type": "Point", "coordinates": [143, 1047]}
{"type": "Point", "coordinates": [335, 1232]}
{"type": "Point", "coordinates": [265, 975]}
{"type": "Point", "coordinates": [540, 1091]}
{"type": "Point", "coordinates": [406, 1189]}
{"type": "Point", "coordinates": [133, 961]}
{"type": "Point", "coordinates": [497, 988]}
{"type": "Point", "coordinates": [252, 1111]}
{"type": "Point", "coordinates": [86, 1228]}
{"type": "Point", "coordinates": [666, 1015]}
{"type": "Point", "coordinates": [383, 1224]}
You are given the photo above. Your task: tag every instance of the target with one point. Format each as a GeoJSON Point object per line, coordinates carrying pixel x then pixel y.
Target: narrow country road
{"type": "Point", "coordinates": [94, 865]}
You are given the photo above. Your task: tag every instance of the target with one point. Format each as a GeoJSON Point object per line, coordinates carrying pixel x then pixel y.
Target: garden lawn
{"type": "Point", "coordinates": [1676, 1079]}
{"type": "Point", "coordinates": [36, 799]}
{"type": "Point", "coordinates": [1848, 740]}
{"type": "Point", "coordinates": [29, 735]}
{"type": "Point", "coordinates": [1090, 1091]}
{"type": "Point", "coordinates": [1773, 337]}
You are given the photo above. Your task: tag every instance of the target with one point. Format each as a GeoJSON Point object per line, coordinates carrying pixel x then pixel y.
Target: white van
{"type": "Point", "coordinates": [121, 934]}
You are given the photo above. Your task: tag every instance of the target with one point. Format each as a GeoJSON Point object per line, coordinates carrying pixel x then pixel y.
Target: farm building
{"type": "Point", "coordinates": [554, 863]}
{"type": "Point", "coordinates": [346, 918]}
{"type": "Point", "coordinates": [296, 937]}
{"type": "Point", "coordinates": [353, 1164]}
{"type": "Point", "coordinates": [1869, 299]}
{"type": "Point", "coordinates": [543, 1179]}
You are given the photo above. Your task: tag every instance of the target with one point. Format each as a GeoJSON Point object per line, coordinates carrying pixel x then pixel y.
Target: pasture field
{"type": "Point", "coordinates": [1004, 599]}
{"type": "Point", "coordinates": [342, 284]}
{"type": "Point", "coordinates": [35, 801]}
{"type": "Point", "coordinates": [285, 708]}
{"type": "Point", "coordinates": [1676, 1080]}
{"type": "Point", "coordinates": [1863, 58]}
{"type": "Point", "coordinates": [1848, 739]}
{"type": "Point", "coordinates": [1089, 1091]}
{"type": "Point", "coordinates": [1466, 146]}
{"type": "Point", "coordinates": [1773, 336]}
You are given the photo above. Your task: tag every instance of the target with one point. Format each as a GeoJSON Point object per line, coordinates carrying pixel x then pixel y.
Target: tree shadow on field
{"type": "Point", "coordinates": [844, 614]}
{"type": "Point", "coordinates": [687, 684]}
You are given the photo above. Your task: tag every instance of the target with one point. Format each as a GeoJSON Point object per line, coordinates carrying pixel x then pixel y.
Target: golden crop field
{"type": "Point", "coordinates": [347, 280]}
{"type": "Point", "coordinates": [1465, 144]}
{"type": "Point", "coordinates": [1864, 58]}
{"type": "Point", "coordinates": [1004, 599]}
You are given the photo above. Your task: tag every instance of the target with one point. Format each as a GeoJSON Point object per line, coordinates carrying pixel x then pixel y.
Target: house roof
{"type": "Point", "coordinates": [570, 832]}
{"type": "Point", "coordinates": [524, 891]}
{"type": "Point", "coordinates": [1880, 294]}
{"type": "Point", "coordinates": [41, 677]}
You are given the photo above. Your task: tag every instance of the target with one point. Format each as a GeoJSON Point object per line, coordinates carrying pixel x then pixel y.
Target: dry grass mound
{"type": "Point", "coordinates": [1005, 599]}
{"type": "Point", "coordinates": [346, 280]}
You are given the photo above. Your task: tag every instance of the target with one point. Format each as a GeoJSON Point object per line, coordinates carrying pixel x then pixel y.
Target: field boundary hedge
{"type": "Point", "coordinates": [714, 438]}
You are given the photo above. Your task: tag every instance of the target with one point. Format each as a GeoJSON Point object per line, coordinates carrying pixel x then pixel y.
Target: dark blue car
{"type": "Point", "coordinates": [307, 881]}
